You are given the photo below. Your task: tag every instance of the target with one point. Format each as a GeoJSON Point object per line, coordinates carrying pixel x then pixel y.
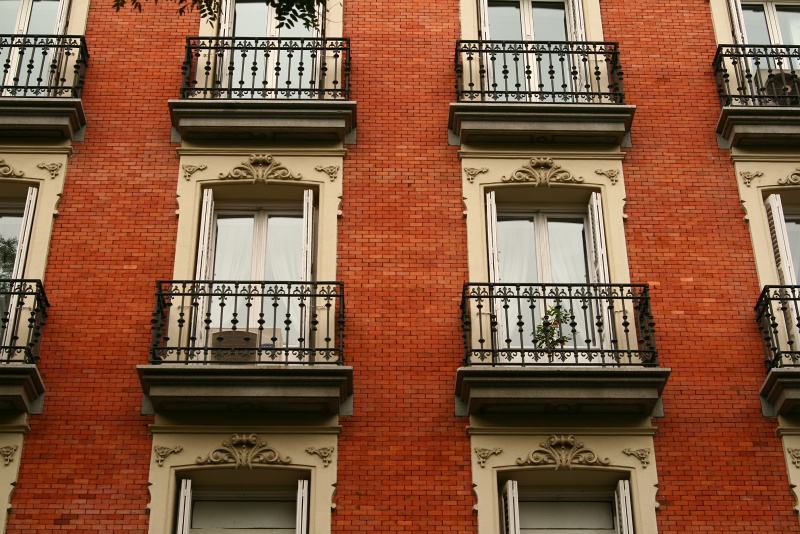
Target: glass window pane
{"type": "Point", "coordinates": [233, 255]}
{"type": "Point", "coordinates": [44, 14]}
{"type": "Point", "coordinates": [567, 517]}
{"type": "Point", "coordinates": [516, 250]}
{"type": "Point", "coordinates": [279, 515]}
{"type": "Point", "coordinates": [504, 21]}
{"type": "Point", "coordinates": [10, 226]}
{"type": "Point", "coordinates": [793, 234]}
{"type": "Point", "coordinates": [250, 19]}
{"type": "Point", "coordinates": [284, 249]}
{"type": "Point", "coordinates": [9, 10]}
{"type": "Point", "coordinates": [755, 24]}
{"type": "Point", "coordinates": [549, 21]}
{"type": "Point", "coordinates": [567, 250]}
{"type": "Point", "coordinates": [789, 22]}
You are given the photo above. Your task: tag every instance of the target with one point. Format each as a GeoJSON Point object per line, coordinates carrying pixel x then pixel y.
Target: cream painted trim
{"type": "Point", "coordinates": [278, 152]}
{"type": "Point", "coordinates": [752, 197]}
{"type": "Point", "coordinates": [50, 186]}
{"type": "Point", "coordinates": [593, 24]}
{"type": "Point", "coordinates": [643, 480]}
{"type": "Point", "coordinates": [721, 21]}
{"type": "Point", "coordinates": [263, 429]}
{"type": "Point", "coordinates": [602, 431]}
{"type": "Point", "coordinates": [11, 149]}
{"type": "Point", "coordinates": [334, 10]}
{"type": "Point", "coordinates": [789, 430]}
{"type": "Point", "coordinates": [78, 13]}
{"type": "Point", "coordinates": [613, 195]}
{"type": "Point", "coordinates": [737, 156]}
{"type": "Point", "coordinates": [163, 478]}
{"type": "Point", "coordinates": [527, 154]}
{"type": "Point", "coordinates": [190, 195]}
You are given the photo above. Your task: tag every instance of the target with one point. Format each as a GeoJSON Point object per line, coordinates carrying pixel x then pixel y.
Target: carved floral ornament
{"type": "Point", "coordinates": [323, 452]}
{"type": "Point", "coordinates": [472, 172]}
{"type": "Point", "coordinates": [643, 455]}
{"type": "Point", "coordinates": [189, 170]}
{"type": "Point", "coordinates": [542, 171]}
{"type": "Point", "coordinates": [792, 179]}
{"type": "Point", "coordinates": [331, 170]}
{"type": "Point", "coordinates": [562, 451]}
{"type": "Point", "coordinates": [7, 171]}
{"type": "Point", "coordinates": [611, 174]}
{"type": "Point", "coordinates": [795, 454]}
{"type": "Point", "coordinates": [260, 168]}
{"type": "Point", "coordinates": [7, 453]}
{"type": "Point", "coordinates": [484, 454]}
{"type": "Point", "coordinates": [162, 452]}
{"type": "Point", "coordinates": [748, 176]}
{"type": "Point", "coordinates": [244, 450]}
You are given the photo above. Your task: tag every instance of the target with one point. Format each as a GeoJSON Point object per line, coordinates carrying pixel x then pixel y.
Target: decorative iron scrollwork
{"type": "Point", "coordinates": [562, 451]}
{"type": "Point", "coordinates": [542, 171]}
{"type": "Point", "coordinates": [244, 450]}
{"type": "Point", "coordinates": [260, 168]}
{"type": "Point", "coordinates": [483, 454]}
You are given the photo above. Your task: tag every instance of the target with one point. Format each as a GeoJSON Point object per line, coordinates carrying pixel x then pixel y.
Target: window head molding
{"type": "Point", "coordinates": [544, 479]}
{"type": "Point", "coordinates": [181, 455]}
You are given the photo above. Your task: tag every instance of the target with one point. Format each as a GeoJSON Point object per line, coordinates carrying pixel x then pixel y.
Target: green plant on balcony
{"type": "Point", "coordinates": [550, 334]}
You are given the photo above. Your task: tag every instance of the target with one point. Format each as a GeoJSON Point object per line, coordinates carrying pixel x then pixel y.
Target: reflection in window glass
{"type": "Point", "coordinates": [504, 21]}
{"type": "Point", "coordinates": [8, 15]}
{"type": "Point", "coordinates": [755, 24]}
{"type": "Point", "coordinates": [549, 21]}
{"type": "Point", "coordinates": [516, 249]}
{"type": "Point", "coordinates": [567, 251]}
{"type": "Point", "coordinates": [789, 22]}
{"type": "Point", "coordinates": [44, 14]}
{"type": "Point", "coordinates": [234, 249]}
{"type": "Point", "coordinates": [10, 227]}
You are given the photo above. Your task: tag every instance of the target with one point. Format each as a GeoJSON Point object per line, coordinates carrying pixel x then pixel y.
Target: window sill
{"type": "Point", "coordinates": [47, 118]}
{"type": "Point", "coordinates": [269, 119]}
{"type": "Point", "coordinates": [560, 390]}
{"type": "Point", "coordinates": [759, 126]}
{"type": "Point", "coordinates": [246, 388]}
{"type": "Point", "coordinates": [494, 122]}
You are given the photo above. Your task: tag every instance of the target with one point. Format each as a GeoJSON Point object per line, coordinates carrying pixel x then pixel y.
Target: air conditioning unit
{"type": "Point", "coordinates": [234, 346]}
{"type": "Point", "coordinates": [783, 88]}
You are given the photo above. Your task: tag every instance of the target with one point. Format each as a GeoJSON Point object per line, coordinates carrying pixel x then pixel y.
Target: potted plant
{"type": "Point", "coordinates": [550, 334]}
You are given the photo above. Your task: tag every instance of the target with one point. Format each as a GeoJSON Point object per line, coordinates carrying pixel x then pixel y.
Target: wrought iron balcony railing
{"type": "Point", "coordinates": [258, 68]}
{"type": "Point", "coordinates": [543, 72]}
{"type": "Point", "coordinates": [758, 75]}
{"type": "Point", "coordinates": [248, 322]}
{"type": "Point", "coordinates": [42, 65]}
{"type": "Point", "coordinates": [778, 319]}
{"type": "Point", "coordinates": [24, 312]}
{"type": "Point", "coordinates": [548, 324]}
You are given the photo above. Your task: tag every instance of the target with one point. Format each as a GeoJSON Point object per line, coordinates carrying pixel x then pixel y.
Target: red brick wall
{"type": "Point", "coordinates": [85, 461]}
{"type": "Point", "coordinates": [720, 464]}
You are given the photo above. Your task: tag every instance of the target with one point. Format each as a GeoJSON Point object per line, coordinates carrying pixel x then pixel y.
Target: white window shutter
{"type": "Point", "coordinates": [780, 240]}
{"type": "Point", "coordinates": [509, 501]}
{"type": "Point", "coordinates": [308, 230]}
{"type": "Point", "coordinates": [576, 28]}
{"type": "Point", "coordinates": [205, 241]}
{"type": "Point", "coordinates": [624, 514]}
{"type": "Point", "coordinates": [599, 255]}
{"type": "Point", "coordinates": [25, 234]}
{"type": "Point", "coordinates": [302, 506]}
{"type": "Point", "coordinates": [483, 20]}
{"type": "Point", "coordinates": [225, 18]}
{"type": "Point", "coordinates": [491, 238]}
{"type": "Point", "coordinates": [737, 21]}
{"type": "Point", "coordinates": [184, 508]}
{"type": "Point", "coordinates": [63, 17]}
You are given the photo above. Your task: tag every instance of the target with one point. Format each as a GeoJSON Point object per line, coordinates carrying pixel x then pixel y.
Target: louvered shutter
{"type": "Point", "coordinates": [491, 238]}
{"type": "Point", "coordinates": [780, 240]}
{"type": "Point", "coordinates": [302, 506]}
{"type": "Point", "coordinates": [599, 260]}
{"type": "Point", "coordinates": [184, 508]}
{"type": "Point", "coordinates": [483, 20]}
{"type": "Point", "coordinates": [205, 241]}
{"type": "Point", "coordinates": [225, 18]}
{"type": "Point", "coordinates": [308, 238]}
{"type": "Point", "coordinates": [509, 500]}
{"type": "Point", "coordinates": [25, 234]}
{"type": "Point", "coordinates": [577, 30]}
{"type": "Point", "coordinates": [624, 515]}
{"type": "Point", "coordinates": [63, 17]}
{"type": "Point", "coordinates": [737, 21]}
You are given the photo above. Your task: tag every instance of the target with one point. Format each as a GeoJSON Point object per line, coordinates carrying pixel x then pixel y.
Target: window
{"type": "Point", "coordinates": [587, 509]}
{"type": "Point", "coordinates": [771, 23]}
{"type": "Point", "coordinates": [278, 506]}
{"type": "Point", "coordinates": [33, 17]}
{"type": "Point", "coordinates": [16, 221]}
{"type": "Point", "coordinates": [784, 229]}
{"type": "Point", "coordinates": [531, 20]}
{"type": "Point", "coordinates": [258, 257]}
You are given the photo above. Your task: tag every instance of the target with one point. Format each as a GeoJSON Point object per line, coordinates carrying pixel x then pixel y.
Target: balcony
{"type": "Point", "coordinates": [539, 92]}
{"type": "Point", "coordinates": [778, 319]}
{"type": "Point", "coordinates": [247, 346]}
{"type": "Point", "coordinates": [40, 89]}
{"type": "Point", "coordinates": [760, 95]}
{"type": "Point", "coordinates": [545, 348]}
{"type": "Point", "coordinates": [268, 88]}
{"type": "Point", "coordinates": [22, 320]}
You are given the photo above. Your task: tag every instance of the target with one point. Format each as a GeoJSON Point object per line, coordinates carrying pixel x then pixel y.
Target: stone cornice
{"type": "Point", "coordinates": [528, 154]}
{"type": "Point", "coordinates": [245, 152]}
{"type": "Point", "coordinates": [588, 431]}
{"type": "Point", "coordinates": [211, 429]}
